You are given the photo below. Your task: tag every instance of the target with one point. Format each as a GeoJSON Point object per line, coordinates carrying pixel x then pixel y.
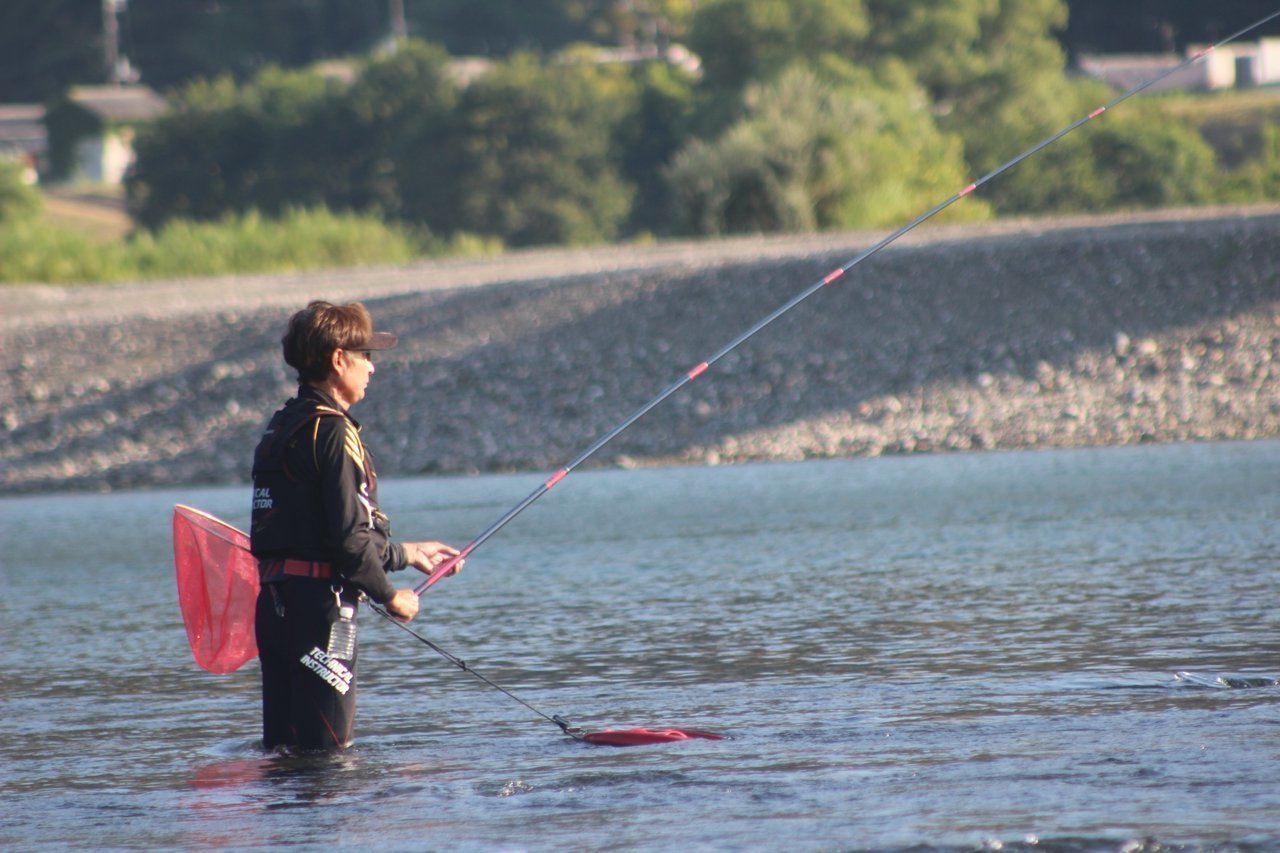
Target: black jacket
{"type": "Point", "coordinates": [315, 496]}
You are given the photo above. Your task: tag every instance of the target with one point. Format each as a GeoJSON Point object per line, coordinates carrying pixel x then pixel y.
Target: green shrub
{"type": "Point", "coordinates": [34, 251]}
{"type": "Point", "coordinates": [1135, 157]}
{"type": "Point", "coordinates": [18, 200]}
{"type": "Point", "coordinates": [286, 139]}
{"type": "Point", "coordinates": [302, 239]}
{"type": "Point", "coordinates": [528, 155]}
{"type": "Point", "coordinates": [1258, 179]}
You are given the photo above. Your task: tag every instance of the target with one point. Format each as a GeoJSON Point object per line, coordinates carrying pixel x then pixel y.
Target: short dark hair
{"type": "Point", "coordinates": [319, 329]}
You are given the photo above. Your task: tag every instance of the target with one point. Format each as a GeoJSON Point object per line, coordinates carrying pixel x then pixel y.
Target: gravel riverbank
{"type": "Point", "coordinates": [1113, 330]}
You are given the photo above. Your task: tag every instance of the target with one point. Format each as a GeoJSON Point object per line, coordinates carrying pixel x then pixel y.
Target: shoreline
{"type": "Point", "coordinates": [1072, 331]}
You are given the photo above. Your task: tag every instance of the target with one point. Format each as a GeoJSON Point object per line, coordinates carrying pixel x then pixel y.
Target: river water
{"type": "Point", "coordinates": [1044, 650]}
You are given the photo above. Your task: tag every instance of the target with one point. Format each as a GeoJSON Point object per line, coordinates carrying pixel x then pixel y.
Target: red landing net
{"type": "Point", "coordinates": [217, 589]}
{"type": "Point", "coordinates": [643, 736]}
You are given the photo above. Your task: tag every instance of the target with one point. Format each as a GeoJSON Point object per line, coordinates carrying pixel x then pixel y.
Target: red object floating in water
{"type": "Point", "coordinates": [642, 736]}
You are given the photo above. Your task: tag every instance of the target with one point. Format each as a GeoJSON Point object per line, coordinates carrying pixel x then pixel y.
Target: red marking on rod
{"type": "Point", "coordinates": [1099, 111]}
{"type": "Point", "coordinates": [1206, 51]}
{"type": "Point", "coordinates": [557, 477]}
{"type": "Point", "coordinates": [833, 275]}
{"type": "Point", "coordinates": [699, 370]}
{"type": "Point", "coordinates": [964, 192]}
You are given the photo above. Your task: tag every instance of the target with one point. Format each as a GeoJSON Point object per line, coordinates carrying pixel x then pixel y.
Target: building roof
{"type": "Point", "coordinates": [1127, 70]}
{"type": "Point", "coordinates": [22, 128]}
{"type": "Point", "coordinates": [119, 103]}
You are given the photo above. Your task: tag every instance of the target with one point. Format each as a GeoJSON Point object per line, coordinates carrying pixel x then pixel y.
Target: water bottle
{"type": "Point", "coordinates": [342, 634]}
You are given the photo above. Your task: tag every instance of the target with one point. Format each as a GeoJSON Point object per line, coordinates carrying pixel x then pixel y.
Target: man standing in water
{"type": "Point", "coordinates": [320, 538]}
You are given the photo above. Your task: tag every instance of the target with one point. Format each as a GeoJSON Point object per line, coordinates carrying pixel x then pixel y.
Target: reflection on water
{"type": "Point", "coordinates": [1078, 646]}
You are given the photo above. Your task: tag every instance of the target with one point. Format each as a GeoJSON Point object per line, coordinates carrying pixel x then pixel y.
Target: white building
{"type": "Point", "coordinates": [1229, 66]}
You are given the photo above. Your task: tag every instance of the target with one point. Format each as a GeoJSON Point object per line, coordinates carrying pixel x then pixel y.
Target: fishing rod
{"type": "Point", "coordinates": [697, 370]}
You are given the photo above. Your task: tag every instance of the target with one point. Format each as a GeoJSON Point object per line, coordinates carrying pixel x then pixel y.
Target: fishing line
{"type": "Point", "coordinates": [638, 736]}
{"type": "Point", "coordinates": [697, 370]}
{"type": "Point", "coordinates": [571, 731]}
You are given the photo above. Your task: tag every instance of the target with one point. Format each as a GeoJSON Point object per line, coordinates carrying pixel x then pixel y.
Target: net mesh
{"type": "Point", "coordinates": [217, 589]}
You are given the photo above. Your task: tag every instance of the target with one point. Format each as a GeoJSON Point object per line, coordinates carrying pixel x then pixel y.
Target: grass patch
{"type": "Point", "coordinates": [40, 250]}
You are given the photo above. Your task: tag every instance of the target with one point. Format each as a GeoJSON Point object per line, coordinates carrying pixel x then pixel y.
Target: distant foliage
{"type": "Point", "coordinates": [528, 155]}
{"type": "Point", "coordinates": [301, 239]}
{"type": "Point", "coordinates": [286, 139]}
{"type": "Point", "coordinates": [33, 251]}
{"type": "Point", "coordinates": [812, 154]}
{"type": "Point", "coordinates": [746, 41]}
{"type": "Point", "coordinates": [805, 114]}
{"type": "Point", "coordinates": [1135, 157]}
{"type": "Point", "coordinates": [988, 73]}
{"type": "Point", "coordinates": [648, 137]}
{"type": "Point", "coordinates": [1257, 180]}
{"type": "Point", "coordinates": [46, 45]}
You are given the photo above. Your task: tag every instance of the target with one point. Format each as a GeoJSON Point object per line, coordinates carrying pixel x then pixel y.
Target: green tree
{"type": "Point", "coordinates": [528, 155]}
{"type": "Point", "coordinates": [649, 137]}
{"type": "Point", "coordinates": [287, 139]}
{"type": "Point", "coordinates": [993, 67]}
{"type": "Point", "coordinates": [1257, 179]}
{"type": "Point", "coordinates": [1132, 158]}
{"type": "Point", "coordinates": [740, 41]}
{"type": "Point", "coordinates": [957, 46]}
{"type": "Point", "coordinates": [364, 130]}
{"type": "Point", "coordinates": [810, 154]}
{"type": "Point", "coordinates": [227, 148]}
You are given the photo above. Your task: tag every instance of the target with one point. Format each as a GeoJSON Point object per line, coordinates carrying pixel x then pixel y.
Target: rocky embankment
{"type": "Point", "coordinates": [1160, 327]}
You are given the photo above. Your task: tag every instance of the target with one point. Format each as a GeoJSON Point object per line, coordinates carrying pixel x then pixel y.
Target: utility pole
{"type": "Point", "coordinates": [111, 41]}
{"type": "Point", "coordinates": [399, 30]}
